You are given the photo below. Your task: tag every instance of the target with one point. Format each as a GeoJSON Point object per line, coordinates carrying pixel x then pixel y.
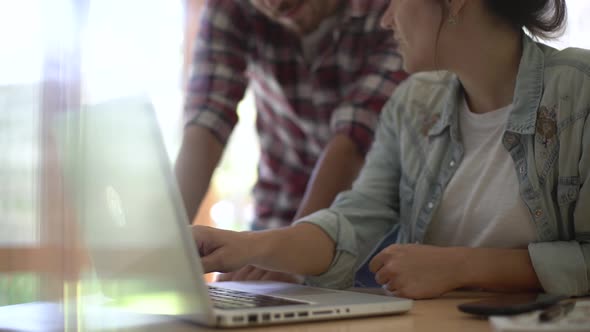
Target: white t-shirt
{"type": "Point", "coordinates": [481, 206]}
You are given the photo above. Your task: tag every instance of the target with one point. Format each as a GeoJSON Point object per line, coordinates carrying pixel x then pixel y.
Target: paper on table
{"type": "Point", "coordinates": [576, 321]}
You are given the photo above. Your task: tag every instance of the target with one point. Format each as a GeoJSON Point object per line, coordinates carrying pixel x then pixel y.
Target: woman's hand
{"type": "Point", "coordinates": [303, 249]}
{"type": "Point", "coordinates": [422, 271]}
{"type": "Point", "coordinates": [223, 251]}
{"type": "Point", "coordinates": [417, 271]}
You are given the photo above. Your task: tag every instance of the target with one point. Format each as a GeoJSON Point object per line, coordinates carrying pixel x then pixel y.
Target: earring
{"type": "Point", "coordinates": [452, 19]}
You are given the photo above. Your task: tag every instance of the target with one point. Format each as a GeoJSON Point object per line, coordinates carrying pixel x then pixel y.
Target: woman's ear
{"type": "Point", "coordinates": [454, 7]}
{"type": "Point", "coordinates": [453, 10]}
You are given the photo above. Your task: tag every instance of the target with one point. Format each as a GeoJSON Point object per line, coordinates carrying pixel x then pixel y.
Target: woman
{"type": "Point", "coordinates": [482, 168]}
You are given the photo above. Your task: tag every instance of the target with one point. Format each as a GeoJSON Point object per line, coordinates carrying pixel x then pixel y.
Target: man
{"type": "Point", "coordinates": [320, 72]}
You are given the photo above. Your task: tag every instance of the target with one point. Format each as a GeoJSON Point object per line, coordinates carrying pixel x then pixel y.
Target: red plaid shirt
{"type": "Point", "coordinates": [300, 105]}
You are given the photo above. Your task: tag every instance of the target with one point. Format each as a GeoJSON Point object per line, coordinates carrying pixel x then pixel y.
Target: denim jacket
{"type": "Point", "coordinates": [418, 148]}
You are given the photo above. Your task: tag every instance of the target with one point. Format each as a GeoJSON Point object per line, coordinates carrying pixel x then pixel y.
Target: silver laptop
{"type": "Point", "coordinates": [135, 229]}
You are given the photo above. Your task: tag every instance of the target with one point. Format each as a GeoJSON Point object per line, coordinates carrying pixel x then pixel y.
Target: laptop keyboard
{"type": "Point", "coordinates": [231, 299]}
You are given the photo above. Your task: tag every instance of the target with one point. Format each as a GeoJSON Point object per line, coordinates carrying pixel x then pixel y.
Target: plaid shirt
{"type": "Point", "coordinates": [301, 105]}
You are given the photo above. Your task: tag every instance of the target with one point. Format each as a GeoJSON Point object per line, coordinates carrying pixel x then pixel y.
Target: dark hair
{"type": "Point", "coordinates": [542, 18]}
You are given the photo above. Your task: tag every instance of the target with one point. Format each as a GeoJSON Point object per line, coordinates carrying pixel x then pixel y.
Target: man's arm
{"type": "Point", "coordinates": [214, 88]}
{"type": "Point", "coordinates": [335, 171]}
{"type": "Point", "coordinates": [198, 157]}
{"type": "Point", "coordinates": [353, 122]}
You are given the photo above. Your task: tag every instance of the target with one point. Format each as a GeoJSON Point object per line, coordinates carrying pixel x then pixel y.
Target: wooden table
{"type": "Point", "coordinates": [426, 315]}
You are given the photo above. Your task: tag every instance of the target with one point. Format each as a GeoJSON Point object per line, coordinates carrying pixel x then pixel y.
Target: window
{"type": "Point", "coordinates": [57, 55]}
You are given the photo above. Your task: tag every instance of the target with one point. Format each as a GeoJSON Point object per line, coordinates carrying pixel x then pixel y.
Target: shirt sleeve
{"type": "Point", "coordinates": [564, 267]}
{"type": "Point", "coordinates": [217, 80]}
{"type": "Point", "coordinates": [359, 219]}
{"type": "Point", "coordinates": [357, 116]}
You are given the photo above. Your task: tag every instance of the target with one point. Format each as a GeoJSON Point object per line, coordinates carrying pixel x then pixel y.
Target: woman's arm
{"type": "Point", "coordinates": [300, 249]}
{"type": "Point", "coordinates": [498, 269]}
{"type": "Point", "coordinates": [422, 271]}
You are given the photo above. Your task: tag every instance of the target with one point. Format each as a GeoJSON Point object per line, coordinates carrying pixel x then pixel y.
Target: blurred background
{"type": "Point", "coordinates": [57, 54]}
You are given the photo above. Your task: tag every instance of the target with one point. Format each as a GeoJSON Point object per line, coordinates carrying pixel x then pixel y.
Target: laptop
{"type": "Point", "coordinates": [134, 226]}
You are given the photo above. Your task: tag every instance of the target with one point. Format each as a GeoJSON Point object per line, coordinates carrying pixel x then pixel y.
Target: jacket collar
{"type": "Point", "coordinates": [529, 89]}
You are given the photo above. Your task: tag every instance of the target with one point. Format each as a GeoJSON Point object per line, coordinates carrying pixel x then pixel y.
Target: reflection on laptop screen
{"type": "Point", "coordinates": [121, 187]}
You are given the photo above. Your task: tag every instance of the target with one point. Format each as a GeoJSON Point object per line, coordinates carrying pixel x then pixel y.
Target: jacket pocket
{"type": "Point", "coordinates": [568, 189]}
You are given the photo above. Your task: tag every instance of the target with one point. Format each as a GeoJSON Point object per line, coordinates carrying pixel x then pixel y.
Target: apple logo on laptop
{"type": "Point", "coordinates": [115, 206]}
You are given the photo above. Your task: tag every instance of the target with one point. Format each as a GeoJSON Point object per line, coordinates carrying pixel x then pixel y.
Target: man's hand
{"type": "Point", "coordinates": [221, 250]}
{"type": "Point", "coordinates": [417, 271]}
{"type": "Point", "coordinates": [253, 273]}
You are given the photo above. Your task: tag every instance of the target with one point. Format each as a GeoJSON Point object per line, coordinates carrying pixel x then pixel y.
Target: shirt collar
{"type": "Point", "coordinates": [362, 8]}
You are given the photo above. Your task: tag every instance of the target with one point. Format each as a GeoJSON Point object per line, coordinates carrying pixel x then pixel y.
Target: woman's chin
{"type": "Point", "coordinates": [410, 68]}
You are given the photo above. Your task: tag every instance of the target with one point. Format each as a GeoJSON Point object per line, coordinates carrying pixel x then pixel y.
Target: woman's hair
{"type": "Point", "coordinates": [542, 18]}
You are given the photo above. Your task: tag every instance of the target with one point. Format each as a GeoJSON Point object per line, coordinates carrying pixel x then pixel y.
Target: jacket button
{"type": "Point", "coordinates": [510, 139]}
{"type": "Point", "coordinates": [539, 213]}
{"type": "Point", "coordinates": [572, 193]}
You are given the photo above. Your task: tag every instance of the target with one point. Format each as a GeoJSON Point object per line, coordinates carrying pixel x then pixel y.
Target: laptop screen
{"type": "Point", "coordinates": [128, 208]}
